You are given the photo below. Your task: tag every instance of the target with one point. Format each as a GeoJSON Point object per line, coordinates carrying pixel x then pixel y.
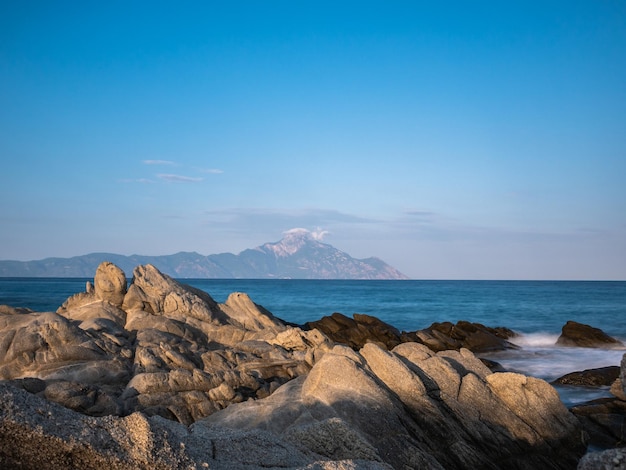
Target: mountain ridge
{"type": "Point", "coordinates": [298, 255]}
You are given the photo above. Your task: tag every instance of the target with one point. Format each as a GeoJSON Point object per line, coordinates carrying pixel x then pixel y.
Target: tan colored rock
{"type": "Point", "coordinates": [110, 283]}
{"type": "Point", "coordinates": [35, 434]}
{"type": "Point", "coordinates": [85, 308]}
{"type": "Point", "coordinates": [465, 417]}
{"type": "Point", "coordinates": [250, 316]}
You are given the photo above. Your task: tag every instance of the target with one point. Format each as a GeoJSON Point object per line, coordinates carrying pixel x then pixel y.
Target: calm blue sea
{"type": "Point", "coordinates": [535, 309]}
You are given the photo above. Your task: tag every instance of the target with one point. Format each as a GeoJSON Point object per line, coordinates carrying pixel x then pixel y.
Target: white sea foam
{"type": "Point", "coordinates": [549, 362]}
{"type": "Point", "coordinates": [536, 340]}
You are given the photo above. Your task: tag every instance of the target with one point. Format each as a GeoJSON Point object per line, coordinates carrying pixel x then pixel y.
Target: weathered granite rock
{"type": "Point", "coordinates": [620, 385]}
{"type": "Point", "coordinates": [160, 347]}
{"type": "Point", "coordinates": [8, 310]}
{"type": "Point", "coordinates": [585, 336]}
{"type": "Point", "coordinates": [604, 420]}
{"type": "Point", "coordinates": [362, 329]}
{"type": "Point", "coordinates": [357, 331]}
{"type": "Point", "coordinates": [611, 459]}
{"type": "Point", "coordinates": [463, 334]}
{"type": "Point", "coordinates": [36, 434]}
{"type": "Point", "coordinates": [167, 350]}
{"type": "Point", "coordinates": [110, 284]}
{"type": "Point", "coordinates": [412, 408]}
{"type": "Point", "coordinates": [602, 376]}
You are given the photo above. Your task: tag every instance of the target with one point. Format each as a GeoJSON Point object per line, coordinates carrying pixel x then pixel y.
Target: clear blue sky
{"type": "Point", "coordinates": [472, 140]}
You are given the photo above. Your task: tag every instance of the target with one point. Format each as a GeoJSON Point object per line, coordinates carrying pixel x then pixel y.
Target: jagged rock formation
{"type": "Point", "coordinates": [160, 347]}
{"type": "Point", "coordinates": [362, 329]}
{"type": "Point", "coordinates": [414, 408]}
{"type": "Point", "coordinates": [241, 389]}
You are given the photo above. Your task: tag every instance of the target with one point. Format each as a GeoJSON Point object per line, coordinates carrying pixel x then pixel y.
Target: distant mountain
{"type": "Point", "coordinates": [297, 256]}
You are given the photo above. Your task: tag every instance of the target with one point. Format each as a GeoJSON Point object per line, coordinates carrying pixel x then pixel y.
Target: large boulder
{"type": "Point", "coordinates": [357, 331]}
{"type": "Point", "coordinates": [413, 408]}
{"type": "Point", "coordinates": [110, 283]}
{"type": "Point", "coordinates": [473, 336]}
{"type": "Point", "coordinates": [585, 336]}
{"type": "Point", "coordinates": [602, 376]}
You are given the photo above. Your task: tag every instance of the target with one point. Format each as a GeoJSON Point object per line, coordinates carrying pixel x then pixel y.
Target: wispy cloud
{"type": "Point", "coordinates": [159, 162]}
{"type": "Point", "coordinates": [136, 180]}
{"type": "Point", "coordinates": [317, 234]}
{"type": "Point", "coordinates": [211, 171]}
{"type": "Point", "coordinates": [282, 219]}
{"type": "Point", "coordinates": [179, 178]}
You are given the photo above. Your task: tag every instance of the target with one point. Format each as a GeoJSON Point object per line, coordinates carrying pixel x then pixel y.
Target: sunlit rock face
{"type": "Point", "coordinates": [413, 408]}
{"type": "Point", "coordinates": [242, 389]}
{"type": "Point", "coordinates": [157, 346]}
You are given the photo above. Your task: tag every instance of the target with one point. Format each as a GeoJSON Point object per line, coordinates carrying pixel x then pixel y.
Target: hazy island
{"type": "Point", "coordinates": [298, 255]}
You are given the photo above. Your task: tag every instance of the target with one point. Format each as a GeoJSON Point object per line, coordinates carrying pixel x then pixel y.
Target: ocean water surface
{"type": "Point", "coordinates": [537, 310]}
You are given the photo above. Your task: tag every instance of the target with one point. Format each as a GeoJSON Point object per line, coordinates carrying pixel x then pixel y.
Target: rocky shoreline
{"type": "Point", "coordinates": [157, 374]}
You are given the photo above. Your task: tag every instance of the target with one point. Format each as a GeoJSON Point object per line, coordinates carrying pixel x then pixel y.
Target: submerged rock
{"type": "Point", "coordinates": [602, 376]}
{"type": "Point", "coordinates": [585, 336]}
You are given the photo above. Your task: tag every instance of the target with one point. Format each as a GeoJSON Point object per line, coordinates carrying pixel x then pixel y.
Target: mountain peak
{"type": "Point", "coordinates": [293, 241]}
{"type": "Point", "coordinates": [300, 254]}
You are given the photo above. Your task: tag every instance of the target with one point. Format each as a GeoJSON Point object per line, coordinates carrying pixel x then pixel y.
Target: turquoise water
{"type": "Point", "coordinates": [535, 309]}
{"type": "Point", "coordinates": [524, 306]}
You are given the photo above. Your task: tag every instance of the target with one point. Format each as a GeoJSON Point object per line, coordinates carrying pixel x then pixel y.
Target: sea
{"type": "Point", "coordinates": [536, 310]}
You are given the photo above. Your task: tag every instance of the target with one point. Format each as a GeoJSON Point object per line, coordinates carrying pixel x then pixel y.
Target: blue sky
{"type": "Point", "coordinates": [463, 140]}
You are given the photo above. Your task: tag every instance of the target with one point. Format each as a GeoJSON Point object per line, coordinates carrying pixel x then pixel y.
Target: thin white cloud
{"type": "Point", "coordinates": [317, 234]}
{"type": "Point", "coordinates": [179, 178]}
{"type": "Point", "coordinates": [247, 219]}
{"type": "Point", "coordinates": [159, 162]}
{"type": "Point", "coordinates": [211, 171]}
{"type": "Point", "coordinates": [136, 180]}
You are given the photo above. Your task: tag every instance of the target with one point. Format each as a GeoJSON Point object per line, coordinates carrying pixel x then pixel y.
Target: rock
{"type": "Point", "coordinates": [603, 376]}
{"type": "Point", "coordinates": [36, 434]}
{"type": "Point", "coordinates": [357, 331]}
{"type": "Point", "coordinates": [612, 459]}
{"type": "Point", "coordinates": [621, 391]}
{"type": "Point", "coordinates": [165, 349]}
{"type": "Point", "coordinates": [411, 408]}
{"type": "Point", "coordinates": [46, 344]}
{"type": "Point", "coordinates": [585, 336]}
{"type": "Point", "coordinates": [463, 334]}
{"type": "Point", "coordinates": [110, 284]}
{"type": "Point", "coordinates": [604, 420]}
{"type": "Point", "coordinates": [239, 388]}
{"type": "Point", "coordinates": [8, 310]}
